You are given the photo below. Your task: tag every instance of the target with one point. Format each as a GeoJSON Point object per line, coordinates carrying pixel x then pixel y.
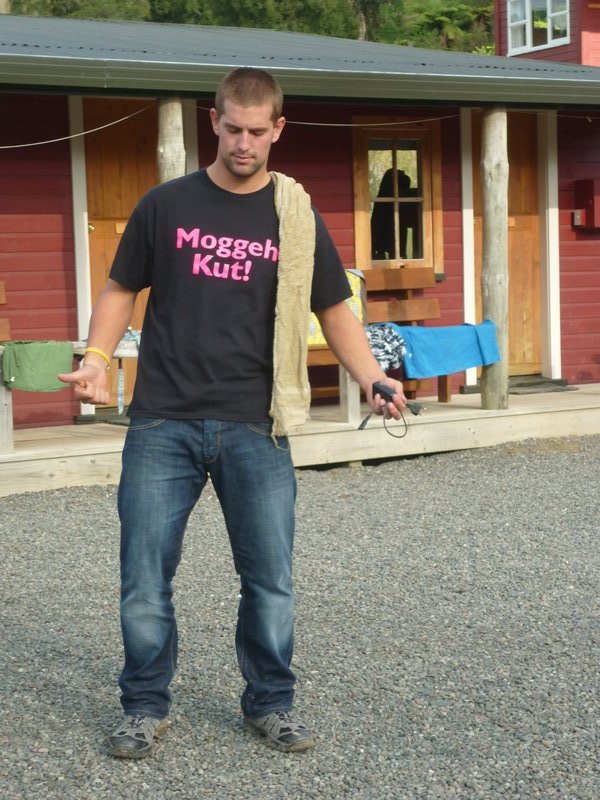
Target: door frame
{"type": "Point", "coordinates": [549, 244]}
{"type": "Point", "coordinates": [83, 277]}
{"type": "Point", "coordinates": [550, 319]}
{"type": "Point", "coordinates": [83, 283]}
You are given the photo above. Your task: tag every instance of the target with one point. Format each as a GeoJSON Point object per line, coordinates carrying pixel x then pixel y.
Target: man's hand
{"type": "Point", "coordinates": [388, 409]}
{"type": "Point", "coordinates": [110, 318]}
{"type": "Point", "coordinates": [90, 384]}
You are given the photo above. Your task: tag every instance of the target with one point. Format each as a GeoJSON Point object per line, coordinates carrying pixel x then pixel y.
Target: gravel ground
{"type": "Point", "coordinates": [447, 638]}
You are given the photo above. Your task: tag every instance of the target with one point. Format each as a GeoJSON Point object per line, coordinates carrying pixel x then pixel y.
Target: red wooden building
{"type": "Point", "coordinates": [567, 31]}
{"type": "Point", "coordinates": [355, 111]}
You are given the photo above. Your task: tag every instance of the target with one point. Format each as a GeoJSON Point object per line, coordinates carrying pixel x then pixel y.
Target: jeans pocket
{"type": "Point", "coordinates": [266, 429]}
{"type": "Point", "coordinates": [144, 423]}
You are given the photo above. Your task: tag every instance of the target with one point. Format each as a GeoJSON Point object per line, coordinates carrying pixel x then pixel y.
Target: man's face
{"type": "Point", "coordinates": [246, 134]}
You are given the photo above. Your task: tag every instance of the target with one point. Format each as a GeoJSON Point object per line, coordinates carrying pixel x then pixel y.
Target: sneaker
{"type": "Point", "coordinates": [134, 738]}
{"type": "Point", "coordinates": [283, 732]}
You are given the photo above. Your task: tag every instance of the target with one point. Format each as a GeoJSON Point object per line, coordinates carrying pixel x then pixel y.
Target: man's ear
{"type": "Point", "coordinates": [278, 127]}
{"type": "Point", "coordinates": [214, 118]}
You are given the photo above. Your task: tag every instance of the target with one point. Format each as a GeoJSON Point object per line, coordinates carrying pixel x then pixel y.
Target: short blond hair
{"type": "Point", "coordinates": [249, 86]}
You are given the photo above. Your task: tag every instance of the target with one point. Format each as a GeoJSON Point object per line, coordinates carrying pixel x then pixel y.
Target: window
{"type": "Point", "coordinates": [533, 24]}
{"type": "Point", "coordinates": [397, 182]}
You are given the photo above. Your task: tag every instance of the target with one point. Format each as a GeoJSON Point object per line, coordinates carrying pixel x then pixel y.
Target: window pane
{"type": "Point", "coordinates": [383, 211]}
{"type": "Point", "coordinates": [396, 221]}
{"type": "Point", "coordinates": [380, 161]}
{"type": "Point", "coordinates": [517, 11]}
{"type": "Point", "coordinates": [558, 6]}
{"type": "Point", "coordinates": [411, 230]}
{"type": "Point", "coordinates": [559, 27]}
{"type": "Point", "coordinates": [517, 37]}
{"type": "Point", "coordinates": [408, 162]}
{"type": "Point", "coordinates": [539, 23]}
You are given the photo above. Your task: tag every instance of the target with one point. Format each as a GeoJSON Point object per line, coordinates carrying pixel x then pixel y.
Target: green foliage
{"type": "Point", "coordinates": [438, 25]}
{"type": "Point", "coordinates": [328, 17]}
{"type": "Point", "coordinates": [435, 24]}
{"type": "Point", "coordinates": [180, 11]}
{"type": "Point", "coordinates": [488, 49]}
{"type": "Point", "coordinates": [84, 9]}
{"type": "Point", "coordinates": [382, 18]}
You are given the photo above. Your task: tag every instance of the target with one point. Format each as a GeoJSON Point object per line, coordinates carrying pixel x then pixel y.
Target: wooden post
{"type": "Point", "coordinates": [171, 147]}
{"type": "Point", "coordinates": [349, 397]}
{"type": "Point", "coordinates": [6, 414]}
{"type": "Point", "coordinates": [494, 271]}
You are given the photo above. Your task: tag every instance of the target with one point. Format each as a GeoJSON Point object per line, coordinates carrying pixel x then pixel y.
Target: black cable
{"type": "Point", "coordinates": [414, 408]}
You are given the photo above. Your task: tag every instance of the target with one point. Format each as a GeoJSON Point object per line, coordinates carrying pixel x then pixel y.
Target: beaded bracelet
{"type": "Point", "coordinates": [100, 353]}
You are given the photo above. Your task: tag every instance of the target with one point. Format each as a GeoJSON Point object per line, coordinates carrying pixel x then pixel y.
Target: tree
{"type": "Point", "coordinates": [84, 9]}
{"type": "Point", "coordinates": [327, 17]}
{"type": "Point", "coordinates": [362, 19]}
{"type": "Point", "coordinates": [190, 12]}
{"type": "Point", "coordinates": [435, 24]}
{"type": "Point", "coordinates": [464, 25]}
{"type": "Point", "coordinates": [378, 20]}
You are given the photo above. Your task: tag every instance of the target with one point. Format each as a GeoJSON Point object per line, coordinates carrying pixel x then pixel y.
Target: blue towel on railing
{"type": "Point", "coordinates": [442, 351]}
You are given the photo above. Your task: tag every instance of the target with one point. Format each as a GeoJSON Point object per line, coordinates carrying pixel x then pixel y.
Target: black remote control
{"type": "Point", "coordinates": [387, 394]}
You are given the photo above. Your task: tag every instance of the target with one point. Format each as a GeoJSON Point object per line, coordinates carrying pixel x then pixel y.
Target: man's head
{"type": "Point", "coordinates": [248, 86]}
{"type": "Point", "coordinates": [247, 121]}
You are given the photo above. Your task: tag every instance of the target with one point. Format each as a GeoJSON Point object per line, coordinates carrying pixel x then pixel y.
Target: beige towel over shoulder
{"type": "Point", "coordinates": [290, 401]}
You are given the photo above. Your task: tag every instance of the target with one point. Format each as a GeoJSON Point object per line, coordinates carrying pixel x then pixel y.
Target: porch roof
{"type": "Point", "coordinates": [71, 55]}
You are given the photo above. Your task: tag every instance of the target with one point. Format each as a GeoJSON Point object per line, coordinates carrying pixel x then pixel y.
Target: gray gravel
{"type": "Point", "coordinates": [447, 638]}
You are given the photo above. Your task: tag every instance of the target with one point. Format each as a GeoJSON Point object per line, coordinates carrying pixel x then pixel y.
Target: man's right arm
{"type": "Point", "coordinates": [110, 318]}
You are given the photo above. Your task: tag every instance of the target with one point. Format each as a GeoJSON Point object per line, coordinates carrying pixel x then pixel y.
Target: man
{"type": "Point", "coordinates": [235, 257]}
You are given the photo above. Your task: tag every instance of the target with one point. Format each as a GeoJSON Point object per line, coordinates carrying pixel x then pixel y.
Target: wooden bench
{"type": "Point", "coordinates": [393, 295]}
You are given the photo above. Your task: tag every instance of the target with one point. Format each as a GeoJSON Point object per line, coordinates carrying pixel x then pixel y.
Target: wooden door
{"type": "Point", "coordinates": [120, 168]}
{"type": "Point", "coordinates": [524, 321]}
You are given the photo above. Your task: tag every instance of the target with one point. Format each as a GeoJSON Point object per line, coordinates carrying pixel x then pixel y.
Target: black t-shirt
{"type": "Point", "coordinates": [210, 258]}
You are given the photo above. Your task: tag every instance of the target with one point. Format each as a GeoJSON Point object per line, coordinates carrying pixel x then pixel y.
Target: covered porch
{"type": "Point", "coordinates": [76, 455]}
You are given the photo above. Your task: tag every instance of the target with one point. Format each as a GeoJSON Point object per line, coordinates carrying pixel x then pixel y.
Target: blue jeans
{"type": "Point", "coordinates": [165, 467]}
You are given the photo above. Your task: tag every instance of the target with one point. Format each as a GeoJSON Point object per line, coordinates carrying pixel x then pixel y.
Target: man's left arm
{"type": "Point", "coordinates": [347, 339]}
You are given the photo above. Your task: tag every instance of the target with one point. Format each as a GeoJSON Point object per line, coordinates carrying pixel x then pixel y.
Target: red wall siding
{"type": "Point", "coordinates": [590, 35]}
{"type": "Point", "coordinates": [36, 240]}
{"type": "Point", "coordinates": [579, 254]}
{"type": "Point", "coordinates": [500, 34]}
{"type": "Point", "coordinates": [320, 158]}
{"type": "Point", "coordinates": [568, 53]}
{"type": "Point", "coordinates": [450, 290]}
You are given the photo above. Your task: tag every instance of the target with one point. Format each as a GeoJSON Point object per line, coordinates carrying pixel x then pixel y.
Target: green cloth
{"type": "Point", "coordinates": [33, 366]}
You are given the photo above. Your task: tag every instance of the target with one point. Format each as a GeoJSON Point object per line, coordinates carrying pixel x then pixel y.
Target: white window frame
{"type": "Point", "coordinates": [428, 134]}
{"type": "Point", "coordinates": [526, 23]}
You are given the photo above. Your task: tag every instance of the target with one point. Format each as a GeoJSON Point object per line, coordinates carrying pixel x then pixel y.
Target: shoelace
{"type": "Point", "coordinates": [285, 716]}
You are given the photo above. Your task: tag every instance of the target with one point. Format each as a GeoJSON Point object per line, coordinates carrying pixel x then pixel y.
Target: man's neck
{"type": "Point", "coordinates": [224, 179]}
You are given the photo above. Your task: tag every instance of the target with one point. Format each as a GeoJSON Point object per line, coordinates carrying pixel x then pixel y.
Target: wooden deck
{"type": "Point", "coordinates": [49, 458]}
